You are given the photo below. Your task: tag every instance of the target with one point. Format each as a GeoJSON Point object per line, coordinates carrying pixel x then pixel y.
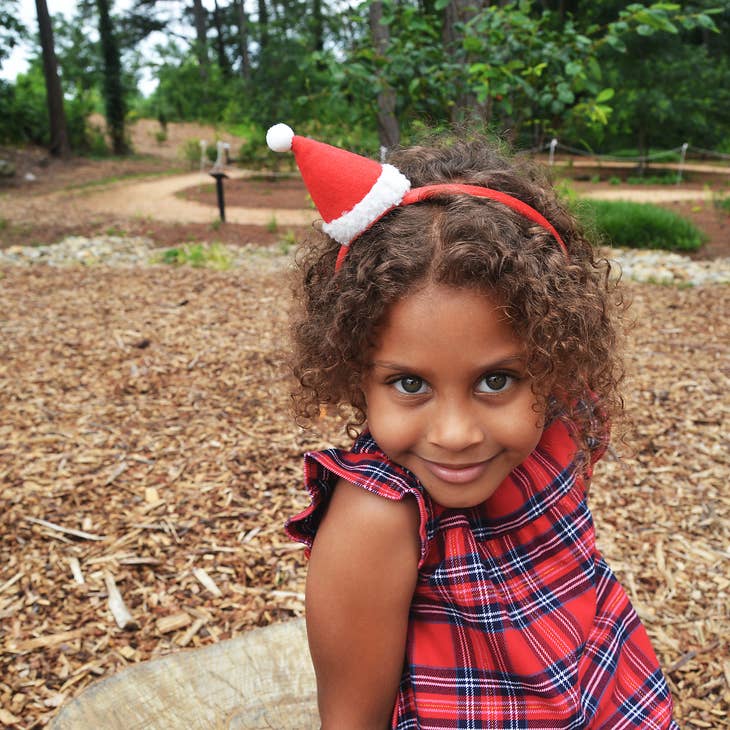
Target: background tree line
{"type": "Point", "coordinates": [606, 74]}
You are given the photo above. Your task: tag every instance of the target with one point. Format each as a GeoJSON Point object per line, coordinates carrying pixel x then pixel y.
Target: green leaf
{"type": "Point", "coordinates": [472, 44]}
{"type": "Point", "coordinates": [605, 95]}
{"type": "Point", "coordinates": [616, 43]}
{"type": "Point", "coordinates": [565, 95]}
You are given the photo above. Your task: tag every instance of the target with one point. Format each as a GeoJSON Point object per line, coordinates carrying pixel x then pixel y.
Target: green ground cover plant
{"type": "Point", "coordinates": [197, 255]}
{"type": "Point", "coordinates": [639, 225]}
{"type": "Point", "coordinates": [723, 204]}
{"type": "Point", "coordinates": [667, 178]}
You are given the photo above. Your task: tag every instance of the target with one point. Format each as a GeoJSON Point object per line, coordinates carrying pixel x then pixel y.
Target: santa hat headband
{"type": "Point", "coordinates": [351, 192]}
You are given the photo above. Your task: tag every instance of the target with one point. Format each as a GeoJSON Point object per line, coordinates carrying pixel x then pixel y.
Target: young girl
{"type": "Point", "coordinates": [454, 582]}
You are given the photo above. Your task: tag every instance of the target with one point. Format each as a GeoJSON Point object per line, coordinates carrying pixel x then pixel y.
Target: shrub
{"type": "Point", "coordinates": [640, 225]}
{"type": "Point", "coordinates": [190, 152]}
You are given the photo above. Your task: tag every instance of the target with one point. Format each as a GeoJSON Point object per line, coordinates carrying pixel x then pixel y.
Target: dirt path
{"type": "Point", "coordinates": [156, 198]}
{"type": "Point", "coordinates": [153, 198]}
{"type": "Point", "coordinates": [651, 195]}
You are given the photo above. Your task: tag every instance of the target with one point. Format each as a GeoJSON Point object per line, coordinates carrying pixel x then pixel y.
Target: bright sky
{"type": "Point", "coordinates": [18, 61]}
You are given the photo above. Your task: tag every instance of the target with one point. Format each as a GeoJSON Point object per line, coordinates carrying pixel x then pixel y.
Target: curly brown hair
{"type": "Point", "coordinates": [562, 308]}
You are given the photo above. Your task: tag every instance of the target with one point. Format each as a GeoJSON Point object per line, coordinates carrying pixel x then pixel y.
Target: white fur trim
{"type": "Point", "coordinates": [279, 138]}
{"type": "Point", "coordinates": [386, 193]}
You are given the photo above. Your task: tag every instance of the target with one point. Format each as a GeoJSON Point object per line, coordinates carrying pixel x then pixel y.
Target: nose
{"type": "Point", "coordinates": [456, 425]}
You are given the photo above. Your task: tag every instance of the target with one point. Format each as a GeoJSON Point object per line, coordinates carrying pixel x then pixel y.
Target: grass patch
{"type": "Point", "coordinates": [112, 179]}
{"type": "Point", "coordinates": [722, 204]}
{"type": "Point", "coordinates": [640, 225]}
{"type": "Point", "coordinates": [197, 255]}
{"type": "Point", "coordinates": [669, 178]}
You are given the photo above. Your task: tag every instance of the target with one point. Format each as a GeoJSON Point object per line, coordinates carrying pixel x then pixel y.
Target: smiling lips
{"type": "Point", "coordinates": [458, 474]}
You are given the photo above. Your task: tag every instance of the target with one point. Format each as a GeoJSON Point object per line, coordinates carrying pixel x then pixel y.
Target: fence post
{"type": "Point", "coordinates": [553, 145]}
{"type": "Point", "coordinates": [682, 155]}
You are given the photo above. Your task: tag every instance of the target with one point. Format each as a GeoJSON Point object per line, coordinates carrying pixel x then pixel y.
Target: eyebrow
{"type": "Point", "coordinates": [503, 362]}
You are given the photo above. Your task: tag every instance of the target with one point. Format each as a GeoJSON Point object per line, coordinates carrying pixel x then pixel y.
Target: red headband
{"type": "Point", "coordinates": [418, 195]}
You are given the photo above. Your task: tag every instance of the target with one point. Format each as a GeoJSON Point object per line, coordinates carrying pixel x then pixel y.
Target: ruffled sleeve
{"type": "Point", "coordinates": [364, 466]}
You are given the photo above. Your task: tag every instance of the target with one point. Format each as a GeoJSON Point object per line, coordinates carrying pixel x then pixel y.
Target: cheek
{"type": "Point", "coordinates": [526, 427]}
{"type": "Point", "coordinates": [389, 427]}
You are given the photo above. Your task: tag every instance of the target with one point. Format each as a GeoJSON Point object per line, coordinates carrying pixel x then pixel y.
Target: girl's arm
{"type": "Point", "coordinates": [362, 574]}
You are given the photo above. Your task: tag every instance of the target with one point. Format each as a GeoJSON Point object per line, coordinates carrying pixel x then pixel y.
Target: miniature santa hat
{"type": "Point", "coordinates": [351, 192]}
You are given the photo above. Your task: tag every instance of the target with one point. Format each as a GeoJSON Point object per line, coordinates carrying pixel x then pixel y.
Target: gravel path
{"type": "Point", "coordinates": [640, 265]}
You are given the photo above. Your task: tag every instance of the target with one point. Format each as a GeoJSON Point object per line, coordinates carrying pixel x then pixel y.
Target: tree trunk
{"type": "Point", "coordinates": [261, 678]}
{"type": "Point", "coordinates": [263, 24]}
{"type": "Point", "coordinates": [317, 26]}
{"type": "Point", "coordinates": [243, 40]}
{"type": "Point", "coordinates": [456, 13]}
{"type": "Point", "coordinates": [223, 62]}
{"type": "Point", "coordinates": [59, 146]}
{"type": "Point", "coordinates": [201, 38]}
{"type": "Point", "coordinates": [388, 130]}
{"type": "Point", "coordinates": [113, 88]}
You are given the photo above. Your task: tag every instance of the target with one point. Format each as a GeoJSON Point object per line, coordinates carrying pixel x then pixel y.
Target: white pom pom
{"type": "Point", "coordinates": [279, 138]}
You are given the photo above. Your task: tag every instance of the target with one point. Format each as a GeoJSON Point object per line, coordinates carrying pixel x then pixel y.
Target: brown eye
{"type": "Point", "coordinates": [495, 383]}
{"type": "Point", "coordinates": [410, 385]}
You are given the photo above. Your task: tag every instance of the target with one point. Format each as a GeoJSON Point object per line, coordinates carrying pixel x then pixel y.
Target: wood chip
{"type": "Point", "coordinates": [65, 530]}
{"type": "Point", "coordinates": [175, 622]}
{"type": "Point", "coordinates": [207, 582]}
{"type": "Point", "coordinates": [45, 641]}
{"type": "Point", "coordinates": [187, 637]}
{"type": "Point", "coordinates": [11, 581]}
{"type": "Point", "coordinates": [75, 566]}
{"type": "Point", "coordinates": [118, 608]}
{"type": "Point", "coordinates": [7, 718]}
{"type": "Point", "coordinates": [151, 495]}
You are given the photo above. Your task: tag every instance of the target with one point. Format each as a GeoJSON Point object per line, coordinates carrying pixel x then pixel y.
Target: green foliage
{"type": "Point", "coordinates": [23, 114]}
{"type": "Point", "coordinates": [722, 204]}
{"type": "Point", "coordinates": [667, 178]}
{"type": "Point", "coordinates": [287, 242]}
{"type": "Point", "coordinates": [671, 76]}
{"type": "Point", "coordinates": [190, 152]}
{"type": "Point", "coordinates": [639, 225]}
{"type": "Point", "coordinates": [197, 255]}
{"type": "Point", "coordinates": [610, 74]}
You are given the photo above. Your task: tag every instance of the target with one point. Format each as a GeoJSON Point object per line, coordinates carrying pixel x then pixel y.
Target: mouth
{"type": "Point", "coordinates": [458, 473]}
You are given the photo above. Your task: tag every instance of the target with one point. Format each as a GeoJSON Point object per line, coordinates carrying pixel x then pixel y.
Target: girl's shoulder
{"type": "Point", "coordinates": [365, 466]}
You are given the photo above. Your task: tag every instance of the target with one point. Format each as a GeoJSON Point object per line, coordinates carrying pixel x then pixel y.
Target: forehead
{"type": "Point", "coordinates": [446, 322]}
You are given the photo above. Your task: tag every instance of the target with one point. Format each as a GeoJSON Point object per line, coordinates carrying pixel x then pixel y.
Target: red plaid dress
{"type": "Point", "coordinates": [516, 621]}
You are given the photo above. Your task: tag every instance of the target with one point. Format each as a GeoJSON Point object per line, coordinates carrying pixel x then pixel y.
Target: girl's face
{"type": "Point", "coordinates": [448, 396]}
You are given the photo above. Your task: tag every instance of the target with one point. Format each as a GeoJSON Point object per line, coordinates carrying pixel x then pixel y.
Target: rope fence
{"type": "Point", "coordinates": [555, 145]}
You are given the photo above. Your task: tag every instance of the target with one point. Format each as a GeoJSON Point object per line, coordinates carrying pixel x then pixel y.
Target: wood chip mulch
{"type": "Point", "coordinates": [148, 461]}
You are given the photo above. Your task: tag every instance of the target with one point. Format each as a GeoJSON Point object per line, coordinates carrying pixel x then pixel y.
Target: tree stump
{"type": "Point", "coordinates": [262, 679]}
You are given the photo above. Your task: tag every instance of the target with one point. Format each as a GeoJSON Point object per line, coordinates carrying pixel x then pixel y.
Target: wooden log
{"type": "Point", "coordinates": [261, 679]}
